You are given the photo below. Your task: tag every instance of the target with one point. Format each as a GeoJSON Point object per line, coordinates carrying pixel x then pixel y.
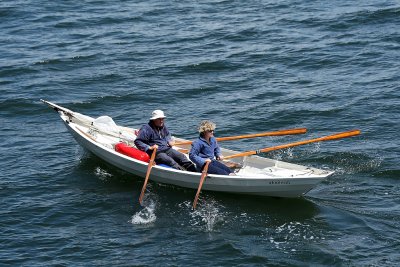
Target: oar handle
{"type": "Point", "coordinates": [274, 133]}
{"type": "Point", "coordinates": [151, 163]}
{"type": "Point", "coordinates": [321, 139]}
{"type": "Point", "coordinates": [202, 178]}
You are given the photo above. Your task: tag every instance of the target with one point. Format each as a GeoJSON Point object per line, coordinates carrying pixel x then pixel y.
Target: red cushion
{"type": "Point", "coordinates": [132, 152]}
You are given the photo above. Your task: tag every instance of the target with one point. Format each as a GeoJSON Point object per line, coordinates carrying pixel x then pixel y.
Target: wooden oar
{"type": "Point", "coordinates": [151, 163]}
{"type": "Point", "coordinates": [275, 133]}
{"type": "Point", "coordinates": [202, 178]}
{"type": "Point", "coordinates": [325, 138]}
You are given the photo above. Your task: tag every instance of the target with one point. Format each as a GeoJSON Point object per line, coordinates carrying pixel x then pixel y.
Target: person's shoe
{"type": "Point", "coordinates": [190, 167]}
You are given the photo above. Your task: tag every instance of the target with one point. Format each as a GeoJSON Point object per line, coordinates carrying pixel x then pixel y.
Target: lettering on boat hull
{"type": "Point", "coordinates": [279, 182]}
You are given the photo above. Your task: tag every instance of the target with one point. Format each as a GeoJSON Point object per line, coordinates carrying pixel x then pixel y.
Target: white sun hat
{"type": "Point", "coordinates": [157, 114]}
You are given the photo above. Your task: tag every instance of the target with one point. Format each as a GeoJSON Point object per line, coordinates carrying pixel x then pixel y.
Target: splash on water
{"type": "Point", "coordinates": [146, 215]}
{"type": "Point", "coordinates": [356, 163]}
{"type": "Point", "coordinates": [208, 214]}
{"type": "Point", "coordinates": [289, 152]}
{"type": "Point", "coordinates": [294, 153]}
{"type": "Point", "coordinates": [316, 147]}
{"type": "Point", "coordinates": [102, 174]}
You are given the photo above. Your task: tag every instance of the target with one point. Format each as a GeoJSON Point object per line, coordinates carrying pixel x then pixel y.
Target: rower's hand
{"type": "Point", "coordinates": [171, 143]}
{"type": "Point", "coordinates": [153, 147]}
{"type": "Point", "coordinates": [220, 157]}
{"type": "Point", "coordinates": [208, 160]}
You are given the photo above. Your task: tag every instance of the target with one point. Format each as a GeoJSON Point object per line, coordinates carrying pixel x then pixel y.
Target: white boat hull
{"type": "Point", "coordinates": [259, 176]}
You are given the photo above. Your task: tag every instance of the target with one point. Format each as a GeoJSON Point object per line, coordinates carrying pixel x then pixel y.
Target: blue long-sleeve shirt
{"type": "Point", "coordinates": [150, 135]}
{"type": "Point", "coordinates": [202, 150]}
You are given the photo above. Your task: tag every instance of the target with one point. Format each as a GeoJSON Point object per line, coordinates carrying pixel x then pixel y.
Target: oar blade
{"type": "Point", "coordinates": [342, 135]}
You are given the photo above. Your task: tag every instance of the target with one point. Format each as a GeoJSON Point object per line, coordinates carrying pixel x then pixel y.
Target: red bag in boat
{"type": "Point", "coordinates": [132, 152]}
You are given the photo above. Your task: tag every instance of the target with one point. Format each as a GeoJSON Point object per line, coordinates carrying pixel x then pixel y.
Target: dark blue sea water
{"type": "Point", "coordinates": [250, 66]}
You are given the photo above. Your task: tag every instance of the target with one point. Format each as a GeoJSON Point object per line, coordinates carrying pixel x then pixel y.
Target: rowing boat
{"type": "Point", "coordinates": [255, 175]}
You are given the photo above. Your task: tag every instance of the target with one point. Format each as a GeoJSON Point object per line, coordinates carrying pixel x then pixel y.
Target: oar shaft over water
{"type": "Point", "coordinates": [202, 178]}
{"type": "Point", "coordinates": [237, 137]}
{"type": "Point", "coordinates": [321, 139]}
{"type": "Point", "coordinates": [151, 163]}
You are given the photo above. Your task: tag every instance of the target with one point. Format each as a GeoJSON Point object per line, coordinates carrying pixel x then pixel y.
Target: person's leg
{"type": "Point", "coordinates": [223, 166]}
{"type": "Point", "coordinates": [189, 166]}
{"type": "Point", "coordinates": [163, 158]}
{"type": "Point", "coordinates": [181, 159]}
{"type": "Point", "coordinates": [215, 168]}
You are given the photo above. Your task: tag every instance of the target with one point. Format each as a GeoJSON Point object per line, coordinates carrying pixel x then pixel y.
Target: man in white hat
{"type": "Point", "coordinates": [156, 135]}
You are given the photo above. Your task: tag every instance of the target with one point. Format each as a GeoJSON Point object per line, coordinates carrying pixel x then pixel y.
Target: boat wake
{"type": "Point", "coordinates": [283, 236]}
